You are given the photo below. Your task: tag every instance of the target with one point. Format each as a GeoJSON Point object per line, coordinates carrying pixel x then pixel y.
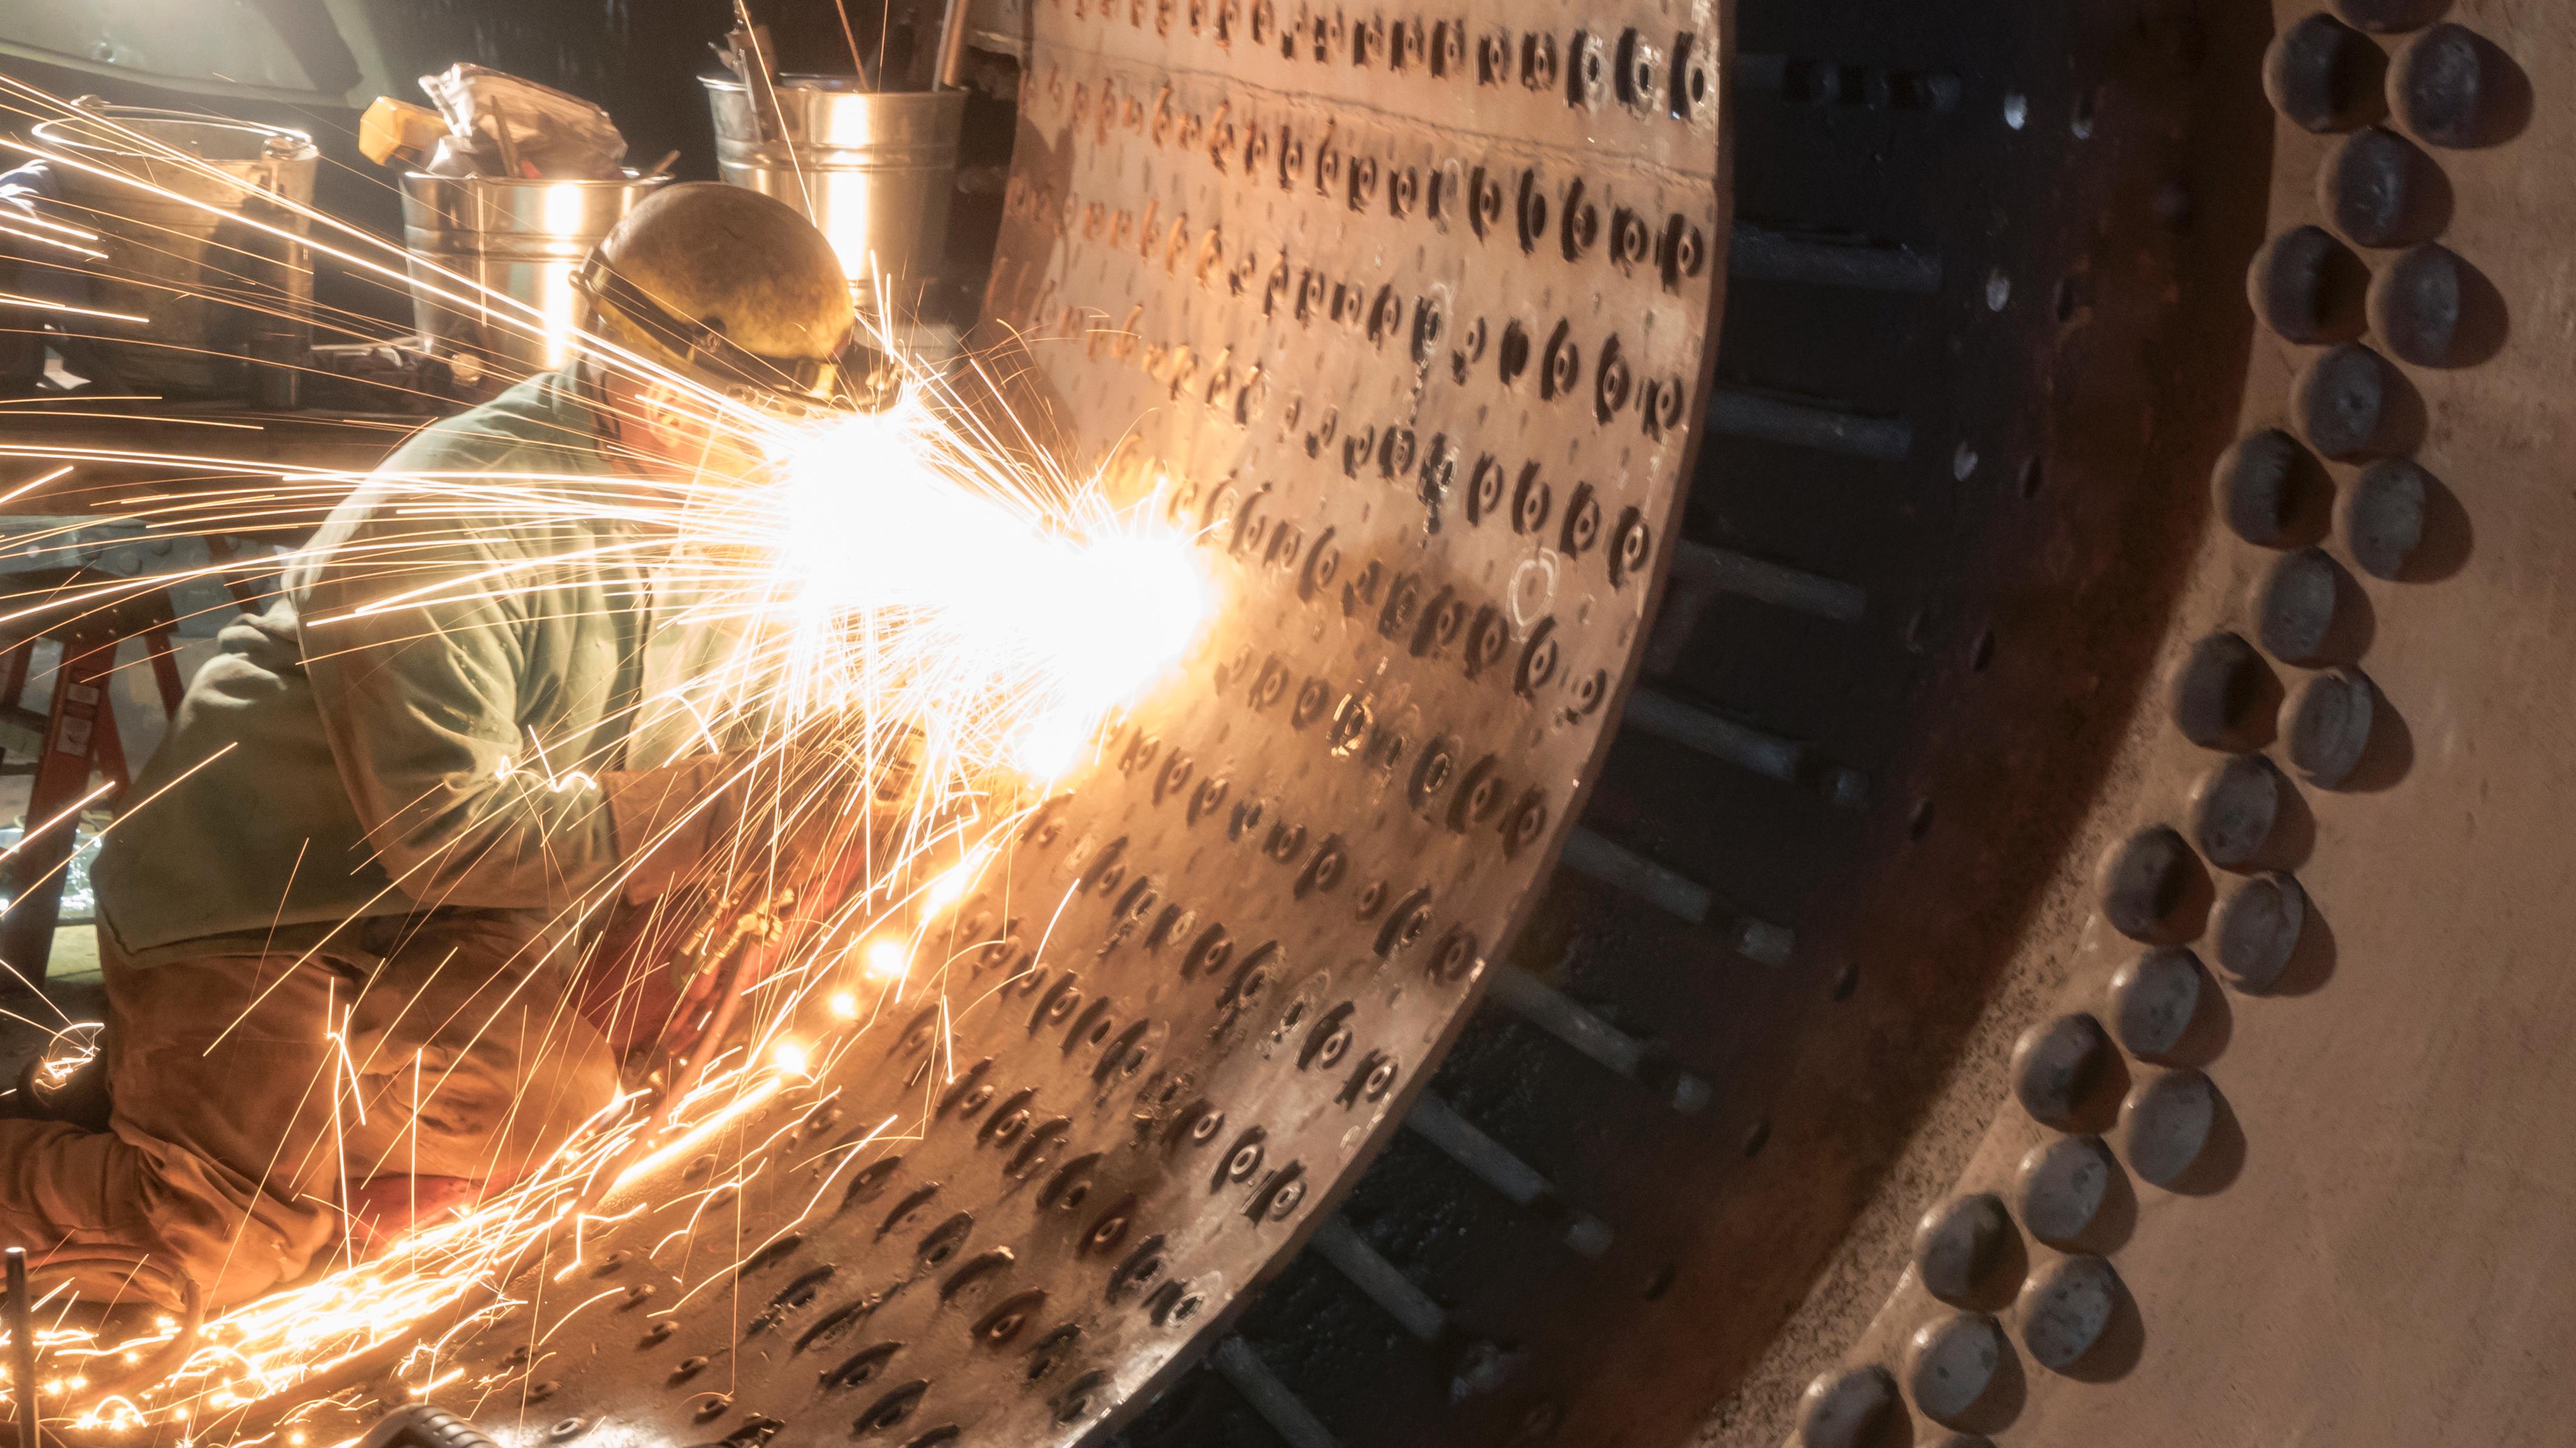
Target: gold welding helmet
{"type": "Point", "coordinates": [728, 287]}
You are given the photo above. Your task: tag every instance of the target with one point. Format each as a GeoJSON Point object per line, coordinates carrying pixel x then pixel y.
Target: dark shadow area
{"type": "Point", "coordinates": [2403, 419]}
{"type": "Point", "coordinates": [2000, 1405]}
{"type": "Point", "coordinates": [2293, 836]}
{"type": "Point", "coordinates": [2312, 960]}
{"type": "Point", "coordinates": [2095, 1102]}
{"type": "Point", "coordinates": [2114, 1222]}
{"type": "Point", "coordinates": [1994, 1288]}
{"type": "Point", "coordinates": [2213, 1024]}
{"type": "Point", "coordinates": [2114, 1355]}
{"type": "Point", "coordinates": [2224, 695]}
{"type": "Point", "coordinates": [2448, 537]}
{"type": "Point", "coordinates": [2320, 614]}
{"type": "Point", "coordinates": [2222, 1156]}
{"type": "Point", "coordinates": [2390, 753]}
{"type": "Point", "coordinates": [2484, 323]}
{"type": "Point", "coordinates": [2173, 897]}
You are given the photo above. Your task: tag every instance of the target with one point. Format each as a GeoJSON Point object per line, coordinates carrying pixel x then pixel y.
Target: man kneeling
{"type": "Point", "coordinates": [341, 940]}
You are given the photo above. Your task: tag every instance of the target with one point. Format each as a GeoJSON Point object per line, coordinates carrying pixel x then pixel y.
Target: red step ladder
{"type": "Point", "coordinates": [90, 615]}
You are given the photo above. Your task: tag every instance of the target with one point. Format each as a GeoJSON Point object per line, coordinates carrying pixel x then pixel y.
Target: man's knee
{"type": "Point", "coordinates": [488, 1111]}
{"type": "Point", "coordinates": [121, 1218]}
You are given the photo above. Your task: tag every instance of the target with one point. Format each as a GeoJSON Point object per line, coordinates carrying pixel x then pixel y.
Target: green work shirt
{"type": "Point", "coordinates": [335, 761]}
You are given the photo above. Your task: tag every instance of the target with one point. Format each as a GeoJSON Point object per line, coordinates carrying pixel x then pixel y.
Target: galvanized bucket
{"type": "Point", "coordinates": [873, 169]}
{"type": "Point", "coordinates": [205, 285]}
{"type": "Point", "coordinates": [521, 240]}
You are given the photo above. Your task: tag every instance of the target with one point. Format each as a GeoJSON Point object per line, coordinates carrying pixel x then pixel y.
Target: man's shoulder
{"type": "Point", "coordinates": [539, 426]}
{"type": "Point", "coordinates": [539, 430]}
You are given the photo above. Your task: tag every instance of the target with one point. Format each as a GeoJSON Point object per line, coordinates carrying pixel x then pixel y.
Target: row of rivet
{"type": "Point", "coordinates": [1631, 68]}
{"type": "Point", "coordinates": [2071, 1193]}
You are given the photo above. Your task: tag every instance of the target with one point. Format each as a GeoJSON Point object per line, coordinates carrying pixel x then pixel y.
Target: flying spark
{"type": "Point", "coordinates": [934, 630]}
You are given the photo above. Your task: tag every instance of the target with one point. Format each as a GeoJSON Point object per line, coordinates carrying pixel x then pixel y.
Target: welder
{"type": "Point", "coordinates": [342, 924]}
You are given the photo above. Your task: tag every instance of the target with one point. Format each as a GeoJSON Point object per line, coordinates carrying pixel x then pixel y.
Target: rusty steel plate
{"type": "Point", "coordinates": [1407, 313]}
{"type": "Point", "coordinates": [2264, 1143]}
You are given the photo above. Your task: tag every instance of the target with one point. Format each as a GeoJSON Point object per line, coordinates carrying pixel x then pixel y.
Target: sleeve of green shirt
{"type": "Point", "coordinates": [423, 698]}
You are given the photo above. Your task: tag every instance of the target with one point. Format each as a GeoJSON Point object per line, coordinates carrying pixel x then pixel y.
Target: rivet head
{"type": "Point", "coordinates": [2453, 87]}
{"type": "Point", "coordinates": [2431, 308]}
{"type": "Point", "coordinates": [2380, 189]}
{"type": "Point", "coordinates": [2257, 928]}
{"type": "Point", "coordinates": [2147, 883]}
{"type": "Point", "coordinates": [2154, 1001]}
{"type": "Point", "coordinates": [2384, 517]}
{"type": "Point", "coordinates": [1950, 1365]}
{"type": "Point", "coordinates": [2064, 1186]}
{"type": "Point", "coordinates": [2166, 1125]}
{"type": "Point", "coordinates": [1961, 1248]}
{"type": "Point", "coordinates": [2222, 694]}
{"type": "Point", "coordinates": [2272, 491]}
{"type": "Point", "coordinates": [1847, 1409]}
{"type": "Point", "coordinates": [2325, 725]}
{"type": "Point", "coordinates": [2307, 610]}
{"type": "Point", "coordinates": [2346, 400]}
{"type": "Point", "coordinates": [2323, 75]}
{"type": "Point", "coordinates": [2235, 809]}
{"type": "Point", "coordinates": [2308, 287]}
{"type": "Point", "coordinates": [2060, 1068]}
{"type": "Point", "coordinates": [2066, 1308]}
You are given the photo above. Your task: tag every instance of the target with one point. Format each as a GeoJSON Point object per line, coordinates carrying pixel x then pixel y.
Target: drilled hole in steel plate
{"type": "Point", "coordinates": [892, 1411]}
{"type": "Point", "coordinates": [862, 1367]}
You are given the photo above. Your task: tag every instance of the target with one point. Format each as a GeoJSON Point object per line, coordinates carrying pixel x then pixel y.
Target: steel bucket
{"type": "Point", "coordinates": [205, 285]}
{"type": "Point", "coordinates": [520, 240]}
{"type": "Point", "coordinates": [872, 169]}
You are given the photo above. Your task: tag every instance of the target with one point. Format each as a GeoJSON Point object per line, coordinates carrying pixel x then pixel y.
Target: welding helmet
{"type": "Point", "coordinates": [728, 287]}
